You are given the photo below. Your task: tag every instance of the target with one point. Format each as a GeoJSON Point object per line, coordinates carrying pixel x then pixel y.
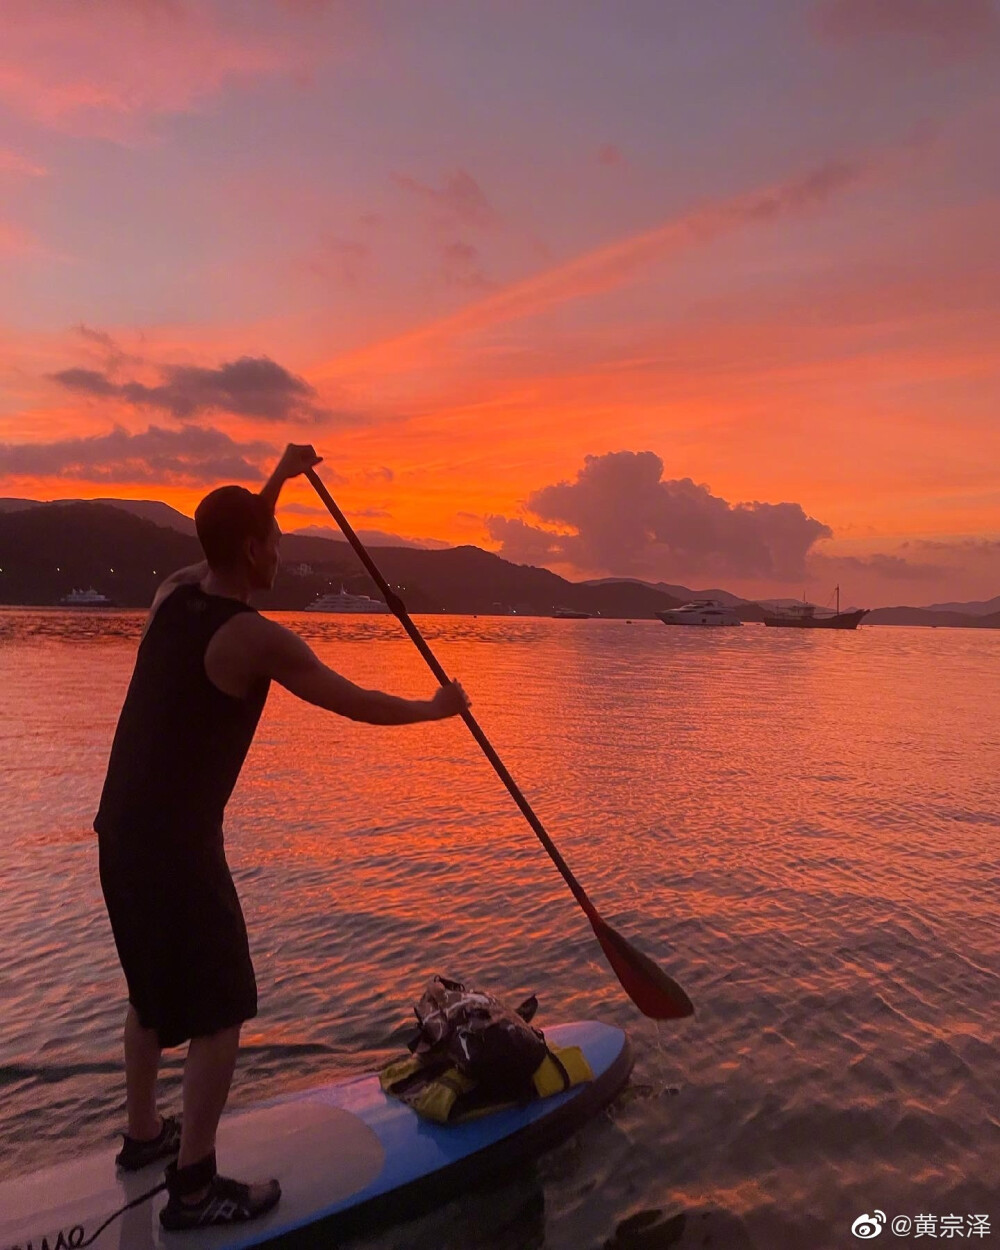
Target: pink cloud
{"type": "Point", "coordinates": [343, 260]}
{"type": "Point", "coordinates": [15, 240]}
{"type": "Point", "coordinates": [953, 25]}
{"type": "Point", "coordinates": [460, 266]}
{"type": "Point", "coordinates": [461, 198]}
{"type": "Point", "coordinates": [105, 67]}
{"type": "Point", "coordinates": [13, 164]}
{"type": "Point", "coordinates": [885, 566]}
{"type": "Point", "coordinates": [616, 264]}
{"type": "Point", "coordinates": [959, 548]}
{"type": "Point", "coordinates": [254, 387]}
{"type": "Point", "coordinates": [191, 455]}
{"type": "Point", "coordinates": [611, 154]}
{"type": "Point", "coordinates": [106, 348]}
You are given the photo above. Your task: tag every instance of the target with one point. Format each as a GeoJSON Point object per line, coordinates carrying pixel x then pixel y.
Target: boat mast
{"type": "Point", "coordinates": [838, 600]}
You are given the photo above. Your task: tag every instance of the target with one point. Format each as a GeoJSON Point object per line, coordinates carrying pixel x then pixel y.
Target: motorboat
{"type": "Point", "coordinates": [90, 598]}
{"type": "Point", "coordinates": [700, 612]}
{"type": "Point", "coordinates": [345, 602]}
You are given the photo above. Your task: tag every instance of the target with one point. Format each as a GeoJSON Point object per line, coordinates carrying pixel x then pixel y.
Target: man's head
{"type": "Point", "coordinates": [239, 534]}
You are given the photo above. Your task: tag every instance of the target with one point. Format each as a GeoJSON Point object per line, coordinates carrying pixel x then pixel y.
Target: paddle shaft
{"type": "Point", "coordinates": [399, 610]}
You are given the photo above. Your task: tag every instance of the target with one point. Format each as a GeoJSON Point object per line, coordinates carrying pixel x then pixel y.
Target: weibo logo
{"type": "Point", "coordinates": [868, 1226]}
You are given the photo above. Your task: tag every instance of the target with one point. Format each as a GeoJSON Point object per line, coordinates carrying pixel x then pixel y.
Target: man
{"type": "Point", "coordinates": [200, 682]}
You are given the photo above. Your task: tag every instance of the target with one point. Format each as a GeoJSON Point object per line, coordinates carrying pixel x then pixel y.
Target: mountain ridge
{"type": "Point", "coordinates": [124, 548]}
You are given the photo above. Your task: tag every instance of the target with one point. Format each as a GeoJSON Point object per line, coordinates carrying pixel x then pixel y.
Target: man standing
{"type": "Point", "coordinates": [201, 678]}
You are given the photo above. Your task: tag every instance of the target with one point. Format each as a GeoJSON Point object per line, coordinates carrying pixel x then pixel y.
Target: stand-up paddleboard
{"type": "Point", "coordinates": [348, 1158]}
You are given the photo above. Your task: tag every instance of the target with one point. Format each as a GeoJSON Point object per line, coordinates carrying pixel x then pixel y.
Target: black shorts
{"type": "Point", "coordinates": [180, 934]}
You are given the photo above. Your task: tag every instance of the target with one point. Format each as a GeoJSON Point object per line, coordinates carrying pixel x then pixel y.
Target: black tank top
{"type": "Point", "coordinates": [180, 741]}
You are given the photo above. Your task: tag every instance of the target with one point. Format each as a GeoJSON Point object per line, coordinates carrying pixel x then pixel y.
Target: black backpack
{"type": "Point", "coordinates": [487, 1041]}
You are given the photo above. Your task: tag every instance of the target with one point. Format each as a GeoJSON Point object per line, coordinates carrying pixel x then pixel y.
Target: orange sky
{"type": "Point", "coordinates": [683, 293]}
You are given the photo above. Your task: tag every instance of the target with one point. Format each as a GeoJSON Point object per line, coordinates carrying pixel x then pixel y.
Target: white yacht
{"type": "Point", "coordinates": [344, 602]}
{"type": "Point", "coordinates": [86, 599]}
{"type": "Point", "coordinates": [700, 612]}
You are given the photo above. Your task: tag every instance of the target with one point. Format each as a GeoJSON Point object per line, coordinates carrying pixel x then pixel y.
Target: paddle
{"type": "Point", "coordinates": [653, 992]}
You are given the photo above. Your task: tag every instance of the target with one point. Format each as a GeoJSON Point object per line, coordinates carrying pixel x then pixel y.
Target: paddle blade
{"type": "Point", "coordinates": [653, 992]}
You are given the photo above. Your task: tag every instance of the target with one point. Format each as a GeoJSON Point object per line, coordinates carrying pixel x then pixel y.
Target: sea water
{"type": "Point", "coordinates": [800, 826]}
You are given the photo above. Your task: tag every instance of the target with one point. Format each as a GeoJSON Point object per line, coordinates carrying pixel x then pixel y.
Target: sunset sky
{"type": "Point", "coordinates": [702, 292]}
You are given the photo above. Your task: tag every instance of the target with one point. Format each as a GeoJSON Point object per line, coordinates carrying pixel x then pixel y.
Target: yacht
{"type": "Point", "coordinates": [700, 612]}
{"type": "Point", "coordinates": [86, 599]}
{"type": "Point", "coordinates": [344, 602]}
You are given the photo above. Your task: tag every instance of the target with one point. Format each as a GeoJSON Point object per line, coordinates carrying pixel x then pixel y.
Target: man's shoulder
{"type": "Point", "coordinates": [251, 646]}
{"type": "Point", "coordinates": [164, 591]}
{"type": "Point", "coordinates": [251, 631]}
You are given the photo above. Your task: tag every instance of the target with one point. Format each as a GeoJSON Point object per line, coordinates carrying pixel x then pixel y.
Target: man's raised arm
{"type": "Point", "coordinates": [296, 459]}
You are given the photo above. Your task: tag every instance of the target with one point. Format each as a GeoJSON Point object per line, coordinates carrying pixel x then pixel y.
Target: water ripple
{"type": "Point", "coordinates": [802, 830]}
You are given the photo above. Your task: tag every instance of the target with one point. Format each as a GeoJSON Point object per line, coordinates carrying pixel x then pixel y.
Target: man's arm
{"type": "Point", "coordinates": [295, 460]}
{"type": "Point", "coordinates": [283, 656]}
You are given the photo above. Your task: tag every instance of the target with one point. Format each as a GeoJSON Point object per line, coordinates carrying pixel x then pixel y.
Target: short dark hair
{"type": "Point", "coordinates": [226, 518]}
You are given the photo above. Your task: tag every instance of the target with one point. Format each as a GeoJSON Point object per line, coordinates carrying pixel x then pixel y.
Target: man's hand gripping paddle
{"type": "Point", "coordinates": [653, 992]}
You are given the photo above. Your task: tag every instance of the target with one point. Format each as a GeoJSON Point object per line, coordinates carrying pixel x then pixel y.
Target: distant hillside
{"type": "Point", "coordinates": [149, 509]}
{"type": "Point", "coordinates": [467, 579]}
{"type": "Point", "coordinates": [371, 538]}
{"type": "Point", "coordinates": [164, 514]}
{"type": "Point", "coordinates": [923, 616]}
{"type": "Point", "coordinates": [683, 593]}
{"type": "Point", "coordinates": [46, 552]}
{"type": "Point", "coordinates": [10, 504]}
{"type": "Point", "coordinates": [987, 608]}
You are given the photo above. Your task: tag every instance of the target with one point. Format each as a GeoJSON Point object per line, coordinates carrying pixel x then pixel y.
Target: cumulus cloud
{"type": "Point", "coordinates": [621, 517]}
{"type": "Point", "coordinates": [191, 455]}
{"type": "Point", "coordinates": [253, 386]}
{"type": "Point", "coordinates": [522, 543]}
{"type": "Point", "coordinates": [461, 198]}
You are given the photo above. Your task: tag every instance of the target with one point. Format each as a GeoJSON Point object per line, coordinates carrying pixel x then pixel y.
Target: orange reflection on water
{"type": "Point", "coordinates": [800, 828]}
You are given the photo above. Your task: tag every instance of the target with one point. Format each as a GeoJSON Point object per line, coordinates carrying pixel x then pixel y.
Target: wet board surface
{"type": "Point", "coordinates": [347, 1157]}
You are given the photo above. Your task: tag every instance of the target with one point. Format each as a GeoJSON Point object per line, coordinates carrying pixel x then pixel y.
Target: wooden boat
{"type": "Point", "coordinates": [809, 616]}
